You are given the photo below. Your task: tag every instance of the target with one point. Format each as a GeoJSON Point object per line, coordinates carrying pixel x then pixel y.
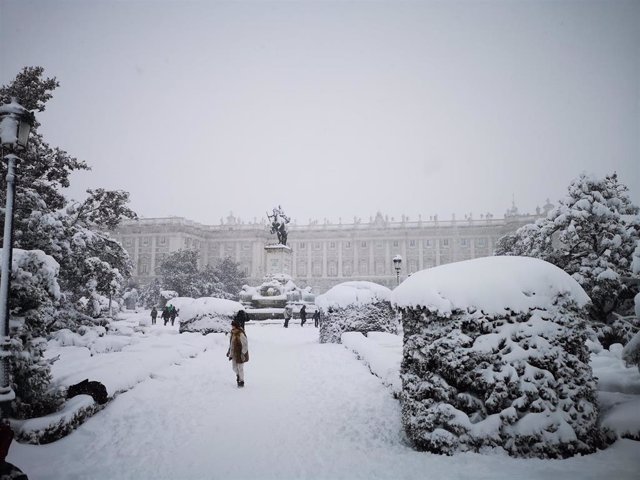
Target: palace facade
{"type": "Point", "coordinates": [322, 254]}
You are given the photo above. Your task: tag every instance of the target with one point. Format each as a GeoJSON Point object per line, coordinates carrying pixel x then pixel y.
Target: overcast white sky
{"type": "Point", "coordinates": [335, 109]}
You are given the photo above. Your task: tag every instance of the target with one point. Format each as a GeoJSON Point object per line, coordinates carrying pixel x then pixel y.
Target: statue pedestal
{"type": "Point", "coordinates": [278, 259]}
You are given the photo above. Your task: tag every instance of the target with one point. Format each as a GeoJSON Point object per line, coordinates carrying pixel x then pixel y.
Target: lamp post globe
{"type": "Point", "coordinates": [15, 126]}
{"type": "Point", "coordinates": [397, 263]}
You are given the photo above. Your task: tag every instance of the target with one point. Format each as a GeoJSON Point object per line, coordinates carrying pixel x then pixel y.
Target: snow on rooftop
{"type": "Point", "coordinates": [490, 284]}
{"type": "Point", "coordinates": [352, 293]}
{"type": "Point", "coordinates": [189, 308]}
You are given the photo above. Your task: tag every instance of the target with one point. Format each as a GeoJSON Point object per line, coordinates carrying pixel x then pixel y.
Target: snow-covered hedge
{"type": "Point", "coordinates": [34, 299]}
{"type": "Point", "coordinates": [206, 314]}
{"type": "Point", "coordinates": [355, 307]}
{"type": "Point", "coordinates": [166, 296]}
{"type": "Point", "coordinates": [495, 356]}
{"type": "Point", "coordinates": [631, 352]}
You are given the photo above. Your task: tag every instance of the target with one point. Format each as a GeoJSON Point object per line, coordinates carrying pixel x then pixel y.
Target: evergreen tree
{"type": "Point", "coordinates": [150, 293]}
{"type": "Point", "coordinates": [230, 276]}
{"type": "Point", "coordinates": [591, 235]}
{"type": "Point", "coordinates": [89, 265]}
{"type": "Point", "coordinates": [92, 264]}
{"type": "Point", "coordinates": [179, 271]}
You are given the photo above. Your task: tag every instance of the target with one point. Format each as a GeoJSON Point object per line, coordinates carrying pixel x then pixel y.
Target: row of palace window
{"type": "Point", "coordinates": [145, 241]}
{"type": "Point", "coordinates": [444, 242]}
{"type": "Point", "coordinates": [429, 243]}
{"type": "Point", "coordinates": [347, 269]}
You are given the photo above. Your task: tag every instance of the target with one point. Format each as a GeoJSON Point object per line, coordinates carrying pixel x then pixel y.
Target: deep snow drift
{"type": "Point", "coordinates": [309, 410]}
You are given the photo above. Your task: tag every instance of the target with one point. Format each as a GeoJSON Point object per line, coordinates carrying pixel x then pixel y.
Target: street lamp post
{"type": "Point", "coordinates": [15, 125]}
{"type": "Point", "coordinates": [397, 263]}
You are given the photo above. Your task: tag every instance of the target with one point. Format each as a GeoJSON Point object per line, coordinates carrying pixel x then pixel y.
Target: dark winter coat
{"type": "Point", "coordinates": [241, 318]}
{"type": "Point", "coordinates": [303, 314]}
{"type": "Point", "coordinates": [238, 346]}
{"type": "Point", "coordinates": [154, 313]}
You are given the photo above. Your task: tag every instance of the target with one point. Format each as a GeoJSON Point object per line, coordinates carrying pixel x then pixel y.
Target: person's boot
{"type": "Point", "coordinates": [241, 383]}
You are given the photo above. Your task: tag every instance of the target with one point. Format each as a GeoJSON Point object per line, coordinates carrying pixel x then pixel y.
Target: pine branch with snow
{"type": "Point", "coordinates": [592, 235]}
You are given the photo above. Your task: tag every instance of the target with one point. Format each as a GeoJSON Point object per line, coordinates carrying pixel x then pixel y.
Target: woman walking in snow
{"type": "Point", "coordinates": [287, 316]}
{"type": "Point", "coordinates": [238, 351]}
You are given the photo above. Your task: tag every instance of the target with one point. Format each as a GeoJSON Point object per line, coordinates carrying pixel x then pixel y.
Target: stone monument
{"type": "Point", "coordinates": [278, 289]}
{"type": "Point", "coordinates": [278, 256]}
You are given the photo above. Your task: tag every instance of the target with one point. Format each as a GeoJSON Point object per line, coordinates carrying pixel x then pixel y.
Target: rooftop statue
{"type": "Point", "coordinates": [279, 224]}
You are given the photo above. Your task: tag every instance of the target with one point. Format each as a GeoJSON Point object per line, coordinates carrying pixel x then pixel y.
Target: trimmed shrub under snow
{"type": "Point", "coordinates": [205, 315]}
{"type": "Point", "coordinates": [355, 307]}
{"type": "Point", "coordinates": [494, 356]}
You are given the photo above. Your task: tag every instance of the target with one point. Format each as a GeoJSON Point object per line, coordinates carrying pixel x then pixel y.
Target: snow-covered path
{"type": "Point", "coordinates": [308, 411]}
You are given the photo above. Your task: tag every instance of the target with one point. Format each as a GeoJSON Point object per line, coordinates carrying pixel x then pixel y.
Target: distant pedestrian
{"type": "Point", "coordinates": [238, 351]}
{"type": "Point", "coordinates": [303, 315]}
{"type": "Point", "coordinates": [154, 315]}
{"type": "Point", "coordinates": [173, 313]}
{"type": "Point", "coordinates": [165, 314]}
{"type": "Point", "coordinates": [287, 316]}
{"type": "Point", "coordinates": [316, 318]}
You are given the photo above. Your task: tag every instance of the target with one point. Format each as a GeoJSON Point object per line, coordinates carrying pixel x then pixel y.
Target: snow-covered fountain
{"type": "Point", "coordinates": [269, 299]}
{"type": "Point", "coordinates": [277, 290]}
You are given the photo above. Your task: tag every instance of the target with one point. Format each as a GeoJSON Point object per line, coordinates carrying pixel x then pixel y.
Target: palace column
{"type": "Point", "coordinates": [387, 257]}
{"type": "Point", "coordinates": [324, 258]}
{"type": "Point", "coordinates": [371, 264]}
{"type": "Point", "coordinates": [356, 266]}
{"type": "Point", "coordinates": [152, 267]}
{"type": "Point", "coordinates": [294, 265]}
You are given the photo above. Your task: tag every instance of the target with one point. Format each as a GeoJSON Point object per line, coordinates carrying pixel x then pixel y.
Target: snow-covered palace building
{"type": "Point", "coordinates": [322, 254]}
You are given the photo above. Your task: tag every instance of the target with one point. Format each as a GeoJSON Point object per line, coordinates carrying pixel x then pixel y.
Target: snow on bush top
{"type": "Point", "coordinates": [491, 284]}
{"type": "Point", "coordinates": [352, 293]}
{"type": "Point", "coordinates": [35, 265]}
{"type": "Point", "coordinates": [168, 294]}
{"type": "Point", "coordinates": [191, 308]}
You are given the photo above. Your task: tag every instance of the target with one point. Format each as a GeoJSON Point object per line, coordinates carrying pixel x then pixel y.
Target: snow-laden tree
{"type": "Point", "coordinates": [232, 278]}
{"type": "Point", "coordinates": [631, 352]}
{"type": "Point", "coordinates": [355, 307]}
{"type": "Point", "coordinates": [494, 355]}
{"type": "Point", "coordinates": [591, 235]}
{"type": "Point", "coordinates": [150, 293]}
{"type": "Point", "coordinates": [92, 264]}
{"type": "Point", "coordinates": [35, 294]}
{"type": "Point", "coordinates": [179, 272]}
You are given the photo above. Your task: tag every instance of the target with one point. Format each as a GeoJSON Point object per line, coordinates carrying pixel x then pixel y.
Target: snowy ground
{"type": "Point", "coordinates": [308, 411]}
